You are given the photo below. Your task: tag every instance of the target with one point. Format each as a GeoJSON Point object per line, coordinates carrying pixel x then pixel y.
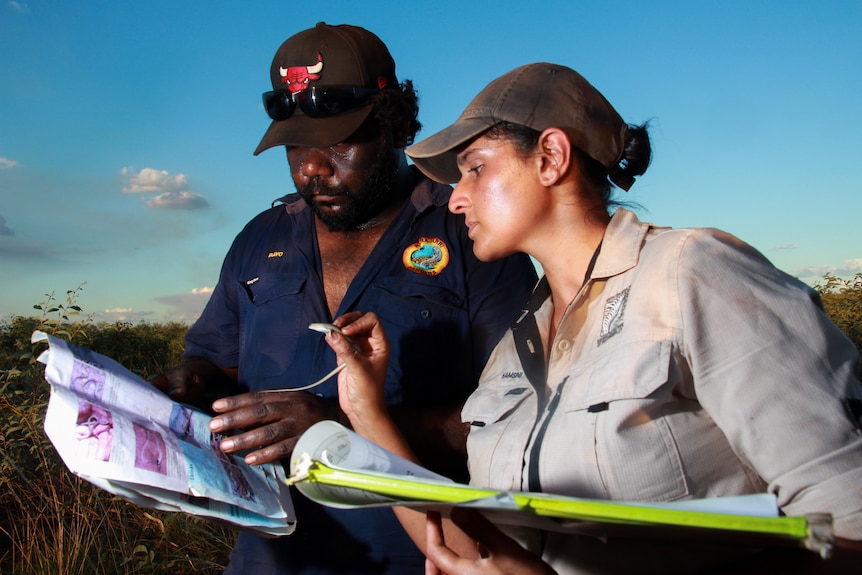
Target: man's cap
{"type": "Point", "coordinates": [538, 96]}
{"type": "Point", "coordinates": [327, 56]}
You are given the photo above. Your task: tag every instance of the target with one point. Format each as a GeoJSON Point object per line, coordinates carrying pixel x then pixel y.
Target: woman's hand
{"type": "Point", "coordinates": [499, 554]}
{"type": "Point", "coordinates": [365, 350]}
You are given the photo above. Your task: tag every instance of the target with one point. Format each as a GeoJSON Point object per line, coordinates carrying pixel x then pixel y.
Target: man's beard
{"type": "Point", "coordinates": [377, 193]}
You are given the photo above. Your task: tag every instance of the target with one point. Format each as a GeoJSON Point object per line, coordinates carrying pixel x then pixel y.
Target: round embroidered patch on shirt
{"type": "Point", "coordinates": [428, 256]}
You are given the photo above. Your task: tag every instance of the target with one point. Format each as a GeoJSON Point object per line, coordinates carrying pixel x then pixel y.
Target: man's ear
{"type": "Point", "coordinates": [555, 153]}
{"type": "Point", "coordinates": [401, 133]}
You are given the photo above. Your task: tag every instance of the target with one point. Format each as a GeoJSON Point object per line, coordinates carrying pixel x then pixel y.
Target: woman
{"type": "Point", "coordinates": [651, 364]}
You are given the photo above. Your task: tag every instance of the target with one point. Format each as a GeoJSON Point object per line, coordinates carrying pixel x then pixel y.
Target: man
{"type": "Point", "coordinates": [364, 232]}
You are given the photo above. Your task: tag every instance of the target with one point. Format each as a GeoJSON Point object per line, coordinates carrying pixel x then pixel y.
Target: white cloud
{"type": "Point", "coordinates": [171, 191]}
{"type": "Point", "coordinates": [151, 181]}
{"type": "Point", "coordinates": [849, 268]}
{"type": "Point", "coordinates": [119, 310]}
{"type": "Point", "coordinates": [784, 247]}
{"type": "Point", "coordinates": [4, 229]}
{"type": "Point", "coordinates": [187, 306]}
{"type": "Point", "coordinates": [122, 314]}
{"type": "Point", "coordinates": [814, 274]}
{"type": "Point", "coordinates": [184, 200]}
{"type": "Point", "coordinates": [18, 7]}
{"type": "Point", "coordinates": [7, 163]}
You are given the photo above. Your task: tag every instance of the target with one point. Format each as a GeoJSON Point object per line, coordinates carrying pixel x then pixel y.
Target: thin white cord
{"type": "Point", "coordinates": [322, 328]}
{"type": "Point", "coordinates": [338, 368]}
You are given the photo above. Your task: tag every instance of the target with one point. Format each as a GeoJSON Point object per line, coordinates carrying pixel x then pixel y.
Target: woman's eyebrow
{"type": "Point", "coordinates": [461, 158]}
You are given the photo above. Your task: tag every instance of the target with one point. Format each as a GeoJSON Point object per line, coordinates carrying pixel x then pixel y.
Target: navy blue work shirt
{"type": "Point", "coordinates": [443, 311]}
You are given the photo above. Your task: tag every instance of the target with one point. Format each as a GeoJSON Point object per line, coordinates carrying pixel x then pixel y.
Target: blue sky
{"type": "Point", "coordinates": [127, 128]}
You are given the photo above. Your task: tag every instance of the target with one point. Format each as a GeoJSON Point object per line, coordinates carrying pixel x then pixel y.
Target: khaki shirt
{"type": "Point", "coordinates": [687, 367]}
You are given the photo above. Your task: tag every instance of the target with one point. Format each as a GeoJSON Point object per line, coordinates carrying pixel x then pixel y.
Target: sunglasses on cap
{"type": "Point", "coordinates": [315, 101]}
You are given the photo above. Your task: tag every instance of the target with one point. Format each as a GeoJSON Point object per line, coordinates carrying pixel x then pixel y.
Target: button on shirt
{"type": "Point", "coordinates": [687, 367]}
{"type": "Point", "coordinates": [443, 311]}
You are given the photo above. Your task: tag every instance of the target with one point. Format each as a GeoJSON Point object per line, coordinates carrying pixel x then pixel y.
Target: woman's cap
{"type": "Point", "coordinates": [538, 96]}
{"type": "Point", "coordinates": [343, 56]}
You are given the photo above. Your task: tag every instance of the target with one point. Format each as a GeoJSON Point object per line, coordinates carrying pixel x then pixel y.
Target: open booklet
{"type": "Point", "coordinates": [336, 467]}
{"type": "Point", "coordinates": [118, 432]}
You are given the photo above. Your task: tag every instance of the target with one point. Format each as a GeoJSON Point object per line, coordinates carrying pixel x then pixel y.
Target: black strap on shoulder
{"type": "Point", "coordinates": [528, 340]}
{"type": "Point", "coordinates": [854, 410]}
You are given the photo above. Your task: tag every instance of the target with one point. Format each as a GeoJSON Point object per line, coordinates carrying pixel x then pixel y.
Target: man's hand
{"type": "Point", "coordinates": [196, 381]}
{"type": "Point", "coordinates": [271, 422]}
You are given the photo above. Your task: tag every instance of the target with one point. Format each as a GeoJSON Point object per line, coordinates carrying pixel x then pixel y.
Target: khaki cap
{"type": "Point", "coordinates": [539, 96]}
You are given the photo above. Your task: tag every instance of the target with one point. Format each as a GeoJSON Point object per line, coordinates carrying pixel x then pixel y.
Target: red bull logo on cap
{"type": "Point", "coordinates": [296, 78]}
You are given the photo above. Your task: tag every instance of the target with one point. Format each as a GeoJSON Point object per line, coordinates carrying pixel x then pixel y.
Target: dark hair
{"type": "Point", "coordinates": [637, 154]}
{"type": "Point", "coordinates": [392, 107]}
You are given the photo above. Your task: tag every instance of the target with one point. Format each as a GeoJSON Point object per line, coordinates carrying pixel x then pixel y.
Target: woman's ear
{"type": "Point", "coordinates": [555, 152]}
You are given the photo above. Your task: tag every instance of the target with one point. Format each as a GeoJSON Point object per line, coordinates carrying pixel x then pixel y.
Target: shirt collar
{"type": "Point", "coordinates": [428, 193]}
{"type": "Point", "coordinates": [621, 245]}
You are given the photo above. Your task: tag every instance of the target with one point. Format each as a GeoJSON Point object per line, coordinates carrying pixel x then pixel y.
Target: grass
{"type": "Point", "coordinates": [54, 523]}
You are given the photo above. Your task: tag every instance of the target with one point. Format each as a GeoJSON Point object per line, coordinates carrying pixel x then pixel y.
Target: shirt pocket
{"type": "Point", "coordinates": [428, 296]}
{"type": "Point", "coordinates": [429, 326]}
{"type": "Point", "coordinates": [498, 434]}
{"type": "Point", "coordinates": [270, 317]}
{"type": "Point", "coordinates": [618, 408]}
